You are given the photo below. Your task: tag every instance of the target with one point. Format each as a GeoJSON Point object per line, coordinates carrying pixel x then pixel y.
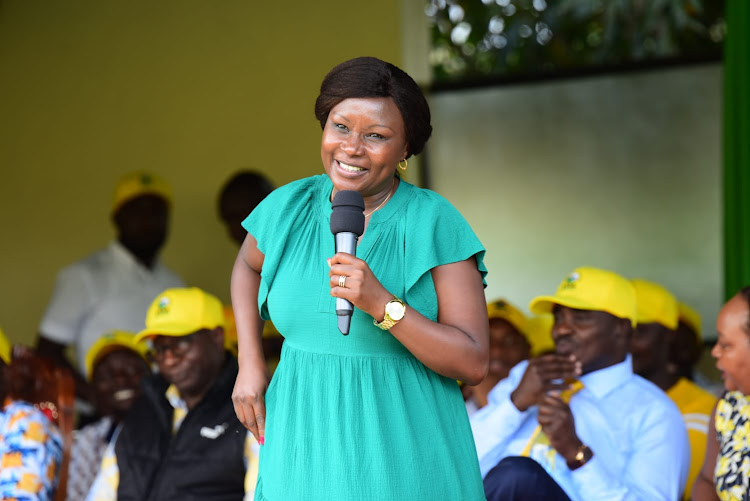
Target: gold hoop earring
{"type": "Point", "coordinates": [403, 167]}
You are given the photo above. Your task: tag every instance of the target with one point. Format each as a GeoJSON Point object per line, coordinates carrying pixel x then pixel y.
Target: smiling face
{"type": "Point", "coordinates": [363, 141]}
{"type": "Point", "coordinates": [596, 338]}
{"type": "Point", "coordinates": [117, 379]}
{"type": "Point", "coordinates": [732, 348]}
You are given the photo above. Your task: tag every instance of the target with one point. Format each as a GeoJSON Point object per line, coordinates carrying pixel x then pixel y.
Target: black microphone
{"type": "Point", "coordinates": [347, 225]}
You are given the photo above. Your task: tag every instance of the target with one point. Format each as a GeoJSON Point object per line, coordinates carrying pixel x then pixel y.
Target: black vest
{"type": "Point", "coordinates": [202, 461]}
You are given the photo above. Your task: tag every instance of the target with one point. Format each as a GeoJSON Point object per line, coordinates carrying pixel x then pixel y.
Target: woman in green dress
{"type": "Point", "coordinates": [377, 414]}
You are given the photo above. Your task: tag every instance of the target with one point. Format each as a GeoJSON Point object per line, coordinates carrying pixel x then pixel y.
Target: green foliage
{"type": "Point", "coordinates": [475, 39]}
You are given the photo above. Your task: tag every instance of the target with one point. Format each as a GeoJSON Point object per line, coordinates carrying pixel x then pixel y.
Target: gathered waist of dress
{"type": "Point", "coordinates": [352, 350]}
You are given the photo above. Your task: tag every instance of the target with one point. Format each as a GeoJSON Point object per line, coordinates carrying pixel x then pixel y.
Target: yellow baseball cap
{"type": "Point", "coordinates": [182, 311]}
{"type": "Point", "coordinates": [587, 288]}
{"type": "Point", "coordinates": [540, 334]}
{"type": "Point", "coordinates": [109, 342]}
{"type": "Point", "coordinates": [139, 183]}
{"type": "Point", "coordinates": [5, 348]}
{"type": "Point", "coordinates": [655, 304]}
{"type": "Point", "coordinates": [500, 308]}
{"type": "Point", "coordinates": [692, 318]}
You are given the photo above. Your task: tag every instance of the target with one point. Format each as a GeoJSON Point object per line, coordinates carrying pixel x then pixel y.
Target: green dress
{"type": "Point", "coordinates": [358, 417]}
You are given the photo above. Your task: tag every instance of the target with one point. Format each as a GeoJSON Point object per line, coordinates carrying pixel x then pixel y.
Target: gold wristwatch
{"type": "Point", "coordinates": [394, 312]}
{"type": "Point", "coordinates": [581, 458]}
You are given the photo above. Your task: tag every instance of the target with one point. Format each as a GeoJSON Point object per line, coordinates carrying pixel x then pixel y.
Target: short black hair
{"type": "Point", "coordinates": [364, 77]}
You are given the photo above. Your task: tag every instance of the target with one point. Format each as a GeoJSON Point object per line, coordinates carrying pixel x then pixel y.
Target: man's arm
{"type": "Point", "coordinates": [494, 424]}
{"type": "Point", "coordinates": [61, 323]}
{"type": "Point", "coordinates": [656, 468]}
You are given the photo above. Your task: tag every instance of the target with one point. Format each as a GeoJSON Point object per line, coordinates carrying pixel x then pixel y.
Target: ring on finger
{"type": "Point", "coordinates": [342, 280]}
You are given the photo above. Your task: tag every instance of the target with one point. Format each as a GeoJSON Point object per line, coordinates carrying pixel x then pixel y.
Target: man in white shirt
{"type": "Point", "coordinates": [578, 424]}
{"type": "Point", "coordinates": [112, 288]}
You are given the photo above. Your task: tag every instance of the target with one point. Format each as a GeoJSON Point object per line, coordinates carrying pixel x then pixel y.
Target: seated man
{"type": "Point", "coordinates": [30, 444]}
{"type": "Point", "coordinates": [509, 345]}
{"type": "Point", "coordinates": [577, 424]}
{"type": "Point", "coordinates": [653, 345]}
{"type": "Point", "coordinates": [182, 439]}
{"type": "Point", "coordinates": [115, 364]}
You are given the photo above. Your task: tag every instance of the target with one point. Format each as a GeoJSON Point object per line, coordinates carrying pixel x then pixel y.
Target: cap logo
{"type": "Point", "coordinates": [571, 280]}
{"type": "Point", "coordinates": [501, 304]}
{"type": "Point", "coordinates": [146, 179]}
{"type": "Point", "coordinates": [163, 306]}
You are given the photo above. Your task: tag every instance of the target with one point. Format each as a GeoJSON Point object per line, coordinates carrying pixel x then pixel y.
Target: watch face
{"type": "Point", "coordinates": [395, 310]}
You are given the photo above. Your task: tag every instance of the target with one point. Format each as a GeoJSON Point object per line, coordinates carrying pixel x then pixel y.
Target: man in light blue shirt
{"type": "Point", "coordinates": [618, 437]}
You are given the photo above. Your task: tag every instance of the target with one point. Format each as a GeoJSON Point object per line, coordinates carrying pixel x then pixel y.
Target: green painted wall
{"type": "Point", "coordinates": [190, 89]}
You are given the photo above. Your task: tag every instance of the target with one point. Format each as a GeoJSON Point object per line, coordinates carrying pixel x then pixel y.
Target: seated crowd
{"type": "Point", "coordinates": [593, 397]}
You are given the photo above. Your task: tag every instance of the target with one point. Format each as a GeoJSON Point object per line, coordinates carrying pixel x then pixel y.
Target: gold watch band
{"type": "Point", "coordinates": [388, 321]}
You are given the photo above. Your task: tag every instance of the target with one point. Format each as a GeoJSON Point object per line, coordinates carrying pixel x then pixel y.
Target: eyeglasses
{"type": "Point", "coordinates": [179, 346]}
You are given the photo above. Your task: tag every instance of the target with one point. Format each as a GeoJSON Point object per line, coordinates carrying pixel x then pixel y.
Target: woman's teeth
{"type": "Point", "coordinates": [350, 168]}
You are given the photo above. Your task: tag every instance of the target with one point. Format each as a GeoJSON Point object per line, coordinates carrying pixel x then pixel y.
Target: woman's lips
{"type": "Point", "coordinates": [348, 170]}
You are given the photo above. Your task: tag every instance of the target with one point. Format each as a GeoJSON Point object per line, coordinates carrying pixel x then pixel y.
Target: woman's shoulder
{"type": "Point", "coordinates": [425, 196]}
{"type": "Point", "coordinates": [306, 185]}
{"type": "Point", "coordinates": [290, 198]}
{"type": "Point", "coordinates": [430, 205]}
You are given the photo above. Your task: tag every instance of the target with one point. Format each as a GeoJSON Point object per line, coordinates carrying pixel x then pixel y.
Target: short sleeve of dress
{"type": "Point", "coordinates": [271, 223]}
{"type": "Point", "coordinates": [437, 234]}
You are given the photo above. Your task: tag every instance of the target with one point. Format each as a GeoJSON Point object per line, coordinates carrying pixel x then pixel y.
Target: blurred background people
{"type": "Point", "coordinates": [508, 346]}
{"type": "Point", "coordinates": [238, 197]}
{"type": "Point", "coordinates": [112, 288]}
{"type": "Point", "coordinates": [577, 424]}
{"type": "Point", "coordinates": [115, 365]}
{"type": "Point", "coordinates": [653, 346]}
{"type": "Point", "coordinates": [30, 443]}
{"type": "Point", "coordinates": [724, 475]}
{"type": "Point", "coordinates": [181, 438]}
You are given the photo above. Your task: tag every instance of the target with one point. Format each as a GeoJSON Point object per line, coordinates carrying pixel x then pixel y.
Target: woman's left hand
{"type": "Point", "coordinates": [361, 287]}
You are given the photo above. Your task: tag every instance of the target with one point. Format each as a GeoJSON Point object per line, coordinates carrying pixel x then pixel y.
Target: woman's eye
{"type": "Point", "coordinates": [340, 127]}
{"type": "Point", "coordinates": [376, 136]}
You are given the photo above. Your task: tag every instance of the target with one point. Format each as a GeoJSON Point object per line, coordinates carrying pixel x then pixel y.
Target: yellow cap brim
{"type": "Point", "coordinates": [172, 330]}
{"type": "Point", "coordinates": [544, 304]}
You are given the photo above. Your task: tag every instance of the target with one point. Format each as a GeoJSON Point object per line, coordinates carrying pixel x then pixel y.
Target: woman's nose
{"type": "Point", "coordinates": [352, 144]}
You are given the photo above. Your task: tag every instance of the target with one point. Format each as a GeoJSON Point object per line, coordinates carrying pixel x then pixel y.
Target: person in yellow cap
{"type": "Point", "coordinates": [578, 424]}
{"type": "Point", "coordinates": [30, 444]}
{"type": "Point", "coordinates": [181, 439]}
{"type": "Point", "coordinates": [508, 346]}
{"type": "Point", "coordinates": [112, 288]}
{"type": "Point", "coordinates": [652, 347]}
{"type": "Point", "coordinates": [115, 365]}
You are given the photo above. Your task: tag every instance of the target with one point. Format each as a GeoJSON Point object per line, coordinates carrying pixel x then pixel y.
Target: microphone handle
{"type": "Point", "coordinates": [345, 242]}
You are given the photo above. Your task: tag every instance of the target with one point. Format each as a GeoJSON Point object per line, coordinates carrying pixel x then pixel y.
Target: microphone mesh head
{"type": "Point", "coordinates": [348, 213]}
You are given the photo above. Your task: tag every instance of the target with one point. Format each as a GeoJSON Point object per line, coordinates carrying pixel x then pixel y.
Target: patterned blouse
{"type": "Point", "coordinates": [732, 472]}
{"type": "Point", "coordinates": [30, 453]}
